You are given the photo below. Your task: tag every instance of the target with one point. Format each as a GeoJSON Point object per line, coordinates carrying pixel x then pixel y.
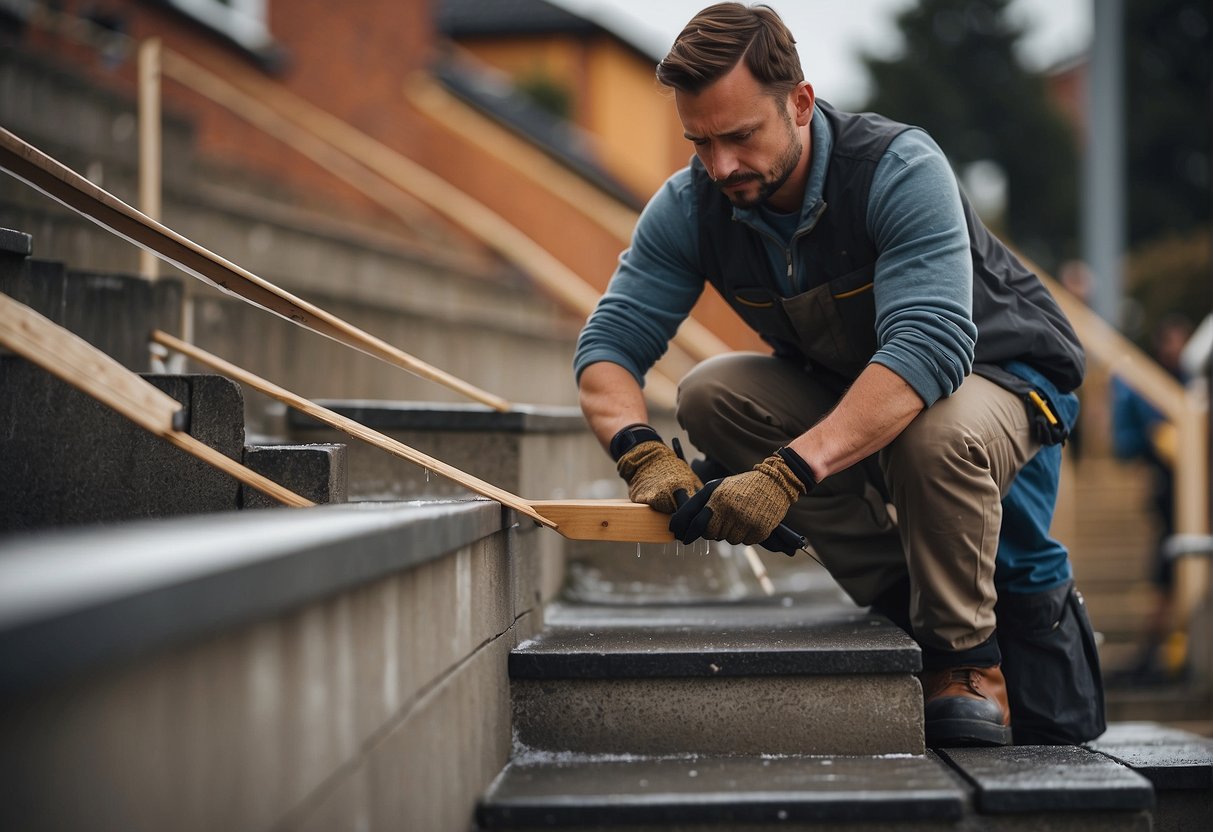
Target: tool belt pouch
{"type": "Point", "coordinates": [1046, 431]}
{"type": "Point", "coordinates": [1054, 685]}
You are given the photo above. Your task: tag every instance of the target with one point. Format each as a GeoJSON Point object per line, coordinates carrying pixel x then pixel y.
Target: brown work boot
{"type": "Point", "coordinates": [966, 706]}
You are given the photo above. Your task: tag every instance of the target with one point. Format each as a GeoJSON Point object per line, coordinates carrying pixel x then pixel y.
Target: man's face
{"type": "Point", "coordinates": [746, 139]}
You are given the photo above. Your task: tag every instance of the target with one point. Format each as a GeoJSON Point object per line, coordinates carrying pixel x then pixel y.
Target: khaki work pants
{"type": "Point", "coordinates": [946, 475]}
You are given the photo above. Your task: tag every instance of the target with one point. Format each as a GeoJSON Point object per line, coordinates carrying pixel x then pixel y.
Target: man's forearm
{"type": "Point", "coordinates": [874, 411]}
{"type": "Point", "coordinates": [610, 399]}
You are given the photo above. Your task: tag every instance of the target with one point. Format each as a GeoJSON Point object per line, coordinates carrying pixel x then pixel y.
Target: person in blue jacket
{"type": "Point", "coordinates": [1140, 431]}
{"type": "Point", "coordinates": [915, 362]}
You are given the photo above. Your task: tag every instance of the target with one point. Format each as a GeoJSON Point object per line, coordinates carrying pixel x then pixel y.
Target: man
{"type": "Point", "coordinates": [844, 241]}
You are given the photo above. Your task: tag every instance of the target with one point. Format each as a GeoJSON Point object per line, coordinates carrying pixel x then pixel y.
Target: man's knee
{"type": "Point", "coordinates": [701, 390]}
{"type": "Point", "coordinates": [930, 449]}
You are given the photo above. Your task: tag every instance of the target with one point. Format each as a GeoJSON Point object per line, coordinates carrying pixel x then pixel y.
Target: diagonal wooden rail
{"type": "Point", "coordinates": [25, 162]}
{"type": "Point", "coordinates": [71, 358]}
{"type": "Point", "coordinates": [616, 520]}
{"type": "Point", "coordinates": [401, 185]}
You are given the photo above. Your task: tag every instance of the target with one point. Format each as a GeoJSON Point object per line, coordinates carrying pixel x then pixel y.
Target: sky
{"type": "Point", "coordinates": [830, 34]}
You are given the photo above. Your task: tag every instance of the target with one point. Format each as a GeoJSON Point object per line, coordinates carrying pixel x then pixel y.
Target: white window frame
{"type": "Point", "coordinates": [244, 21]}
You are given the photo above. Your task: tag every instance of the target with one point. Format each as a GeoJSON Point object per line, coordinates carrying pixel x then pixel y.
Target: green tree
{"type": "Point", "coordinates": [959, 78]}
{"type": "Point", "coordinates": [1169, 102]}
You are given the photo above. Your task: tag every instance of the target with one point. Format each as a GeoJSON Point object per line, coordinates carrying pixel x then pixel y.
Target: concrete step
{"type": "Point", "coordinates": [69, 460]}
{"type": "Point", "coordinates": [692, 793]}
{"type": "Point", "coordinates": [113, 312]}
{"type": "Point", "coordinates": [317, 472]}
{"type": "Point", "coordinates": [749, 678]}
{"type": "Point", "coordinates": [1141, 777]}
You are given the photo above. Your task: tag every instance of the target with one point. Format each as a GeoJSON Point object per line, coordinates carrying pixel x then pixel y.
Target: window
{"type": "Point", "coordinates": [244, 21]}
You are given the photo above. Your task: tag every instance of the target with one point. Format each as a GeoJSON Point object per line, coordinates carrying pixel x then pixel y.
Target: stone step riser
{"type": "Point", "coordinates": [847, 714]}
{"type": "Point", "coordinates": [749, 678]}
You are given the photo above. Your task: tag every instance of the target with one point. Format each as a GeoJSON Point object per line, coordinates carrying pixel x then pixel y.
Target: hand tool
{"type": "Point", "coordinates": [784, 539]}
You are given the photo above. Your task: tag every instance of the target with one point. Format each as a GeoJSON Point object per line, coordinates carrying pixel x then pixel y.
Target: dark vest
{"type": "Point", "coordinates": [832, 324]}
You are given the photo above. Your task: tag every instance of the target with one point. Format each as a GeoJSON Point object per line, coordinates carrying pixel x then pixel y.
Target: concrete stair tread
{"type": "Point", "coordinates": [573, 790]}
{"type": "Point", "coordinates": [1167, 757]}
{"type": "Point", "coordinates": [745, 639]}
{"type": "Point", "coordinates": [1026, 779]}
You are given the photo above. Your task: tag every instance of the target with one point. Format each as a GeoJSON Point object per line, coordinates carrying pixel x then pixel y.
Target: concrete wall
{"type": "Point", "coordinates": [327, 669]}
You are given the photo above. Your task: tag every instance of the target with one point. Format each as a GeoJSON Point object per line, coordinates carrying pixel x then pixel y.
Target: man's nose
{"type": "Point", "coordinates": [721, 162]}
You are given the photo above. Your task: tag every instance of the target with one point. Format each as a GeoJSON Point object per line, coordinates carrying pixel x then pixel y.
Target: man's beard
{"type": "Point", "coordinates": [784, 167]}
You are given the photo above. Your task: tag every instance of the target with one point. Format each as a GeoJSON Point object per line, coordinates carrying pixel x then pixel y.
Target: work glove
{"type": "Point", "coordinates": [745, 508]}
{"type": "Point", "coordinates": [656, 476]}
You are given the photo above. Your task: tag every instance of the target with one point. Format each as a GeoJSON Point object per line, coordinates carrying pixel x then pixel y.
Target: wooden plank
{"type": "Point", "coordinates": [68, 356]}
{"type": "Point", "coordinates": [150, 155]}
{"type": "Point", "coordinates": [616, 520]}
{"type": "Point", "coordinates": [71, 358]}
{"type": "Point", "coordinates": [351, 427]}
{"type": "Point", "coordinates": [40, 171]}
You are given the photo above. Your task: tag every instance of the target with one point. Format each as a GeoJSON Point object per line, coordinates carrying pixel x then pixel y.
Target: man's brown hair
{"type": "Point", "coordinates": [718, 37]}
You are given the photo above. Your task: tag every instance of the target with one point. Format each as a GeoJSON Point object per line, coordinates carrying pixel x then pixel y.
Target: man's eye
{"type": "Point", "coordinates": [699, 142]}
{"type": "Point", "coordinates": [741, 137]}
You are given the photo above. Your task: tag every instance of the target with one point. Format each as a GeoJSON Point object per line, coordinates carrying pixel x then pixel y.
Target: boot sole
{"type": "Point", "coordinates": [966, 733]}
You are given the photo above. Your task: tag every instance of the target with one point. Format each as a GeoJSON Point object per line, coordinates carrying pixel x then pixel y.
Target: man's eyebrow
{"type": "Point", "coordinates": [731, 134]}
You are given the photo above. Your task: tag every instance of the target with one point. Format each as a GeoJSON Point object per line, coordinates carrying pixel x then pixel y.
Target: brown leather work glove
{"type": "Point", "coordinates": [654, 473]}
{"type": "Point", "coordinates": [745, 508]}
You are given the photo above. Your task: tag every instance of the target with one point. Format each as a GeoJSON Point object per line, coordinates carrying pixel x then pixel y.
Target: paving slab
{"type": "Point", "coordinates": [1169, 758]}
{"type": "Point", "coordinates": [566, 790]}
{"type": "Point", "coordinates": [1025, 779]}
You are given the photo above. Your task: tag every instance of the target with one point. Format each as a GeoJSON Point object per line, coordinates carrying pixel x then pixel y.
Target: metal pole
{"type": "Point", "coordinates": [1104, 167]}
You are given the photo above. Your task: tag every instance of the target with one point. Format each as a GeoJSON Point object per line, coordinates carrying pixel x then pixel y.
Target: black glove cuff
{"type": "Point", "coordinates": [631, 436]}
{"type": "Point", "coordinates": [799, 467]}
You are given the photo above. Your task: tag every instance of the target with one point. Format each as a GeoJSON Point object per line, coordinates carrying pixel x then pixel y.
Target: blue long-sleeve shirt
{"type": "Point", "coordinates": [923, 280]}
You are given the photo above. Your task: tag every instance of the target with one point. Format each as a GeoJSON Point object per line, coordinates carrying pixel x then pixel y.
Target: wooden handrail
{"type": "Point", "coordinates": [389, 178]}
{"type": "Point", "coordinates": [35, 168]}
{"type": "Point", "coordinates": [1186, 410]}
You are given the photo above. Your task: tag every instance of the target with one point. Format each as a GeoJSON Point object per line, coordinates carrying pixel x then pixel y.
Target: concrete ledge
{"type": "Point", "coordinates": [15, 242]}
{"type": "Point", "coordinates": [72, 601]}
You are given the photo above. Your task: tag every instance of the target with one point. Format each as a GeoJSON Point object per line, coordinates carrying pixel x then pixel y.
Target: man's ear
{"type": "Point", "coordinates": [803, 100]}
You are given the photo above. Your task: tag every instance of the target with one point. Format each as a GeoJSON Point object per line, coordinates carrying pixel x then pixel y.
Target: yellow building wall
{"type": "Point", "coordinates": [634, 117]}
{"type": "Point", "coordinates": [617, 100]}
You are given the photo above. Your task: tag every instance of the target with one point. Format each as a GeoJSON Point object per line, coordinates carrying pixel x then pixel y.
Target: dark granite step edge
{"type": "Point", "coordinates": [599, 791]}
{"type": "Point", "coordinates": [1025, 779]}
{"type": "Point", "coordinates": [847, 806]}
{"type": "Point", "coordinates": [711, 663]}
